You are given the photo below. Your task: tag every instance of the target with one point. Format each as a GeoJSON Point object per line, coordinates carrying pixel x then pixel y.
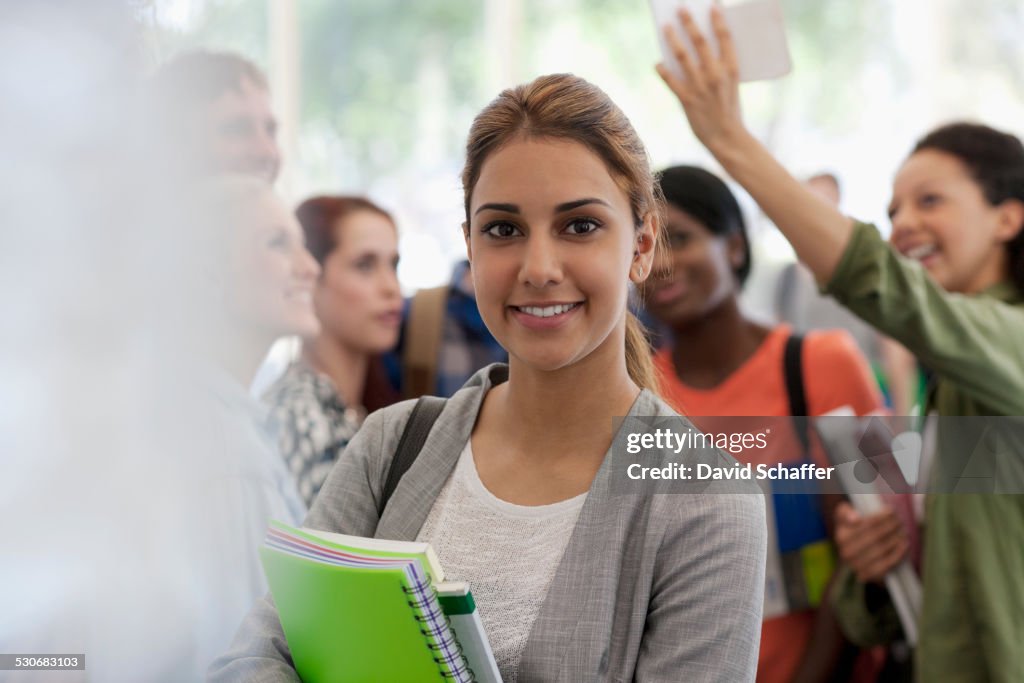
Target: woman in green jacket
{"type": "Point", "coordinates": [958, 211]}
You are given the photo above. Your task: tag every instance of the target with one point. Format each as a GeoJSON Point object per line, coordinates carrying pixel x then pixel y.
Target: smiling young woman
{"type": "Point", "coordinates": [266, 273]}
{"type": "Point", "coordinates": [957, 209]}
{"type": "Point", "coordinates": [252, 284]}
{"type": "Point", "coordinates": [513, 485]}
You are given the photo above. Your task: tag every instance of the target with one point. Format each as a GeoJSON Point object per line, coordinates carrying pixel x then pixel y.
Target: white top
{"type": "Point", "coordinates": [508, 553]}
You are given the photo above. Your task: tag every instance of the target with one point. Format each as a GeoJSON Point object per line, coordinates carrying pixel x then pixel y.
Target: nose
{"type": "Point", "coordinates": [904, 223]}
{"type": "Point", "coordinates": [389, 285]}
{"type": "Point", "coordinates": [269, 148]}
{"type": "Point", "coordinates": [306, 267]}
{"type": "Point", "coordinates": [266, 153]}
{"type": "Point", "coordinates": [542, 264]}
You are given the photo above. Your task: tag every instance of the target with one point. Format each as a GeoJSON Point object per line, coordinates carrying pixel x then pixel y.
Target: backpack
{"type": "Point", "coordinates": [423, 341]}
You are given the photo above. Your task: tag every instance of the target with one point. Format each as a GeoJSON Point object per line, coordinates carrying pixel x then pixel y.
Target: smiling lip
{"type": "Point", "coordinates": [668, 293]}
{"type": "Point", "coordinates": [925, 254]}
{"type": "Point", "coordinates": [527, 314]}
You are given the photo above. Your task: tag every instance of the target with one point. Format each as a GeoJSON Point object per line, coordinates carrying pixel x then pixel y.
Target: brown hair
{"type": "Point", "coordinates": [563, 106]}
{"type": "Point", "coordinates": [320, 216]}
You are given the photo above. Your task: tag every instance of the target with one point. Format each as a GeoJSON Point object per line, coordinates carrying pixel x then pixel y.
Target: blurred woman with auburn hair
{"type": "Point", "coordinates": [321, 399]}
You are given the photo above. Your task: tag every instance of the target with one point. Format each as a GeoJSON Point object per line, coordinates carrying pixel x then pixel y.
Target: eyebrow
{"type": "Point", "coordinates": [507, 208]}
{"type": "Point", "coordinates": [561, 208]}
{"type": "Point", "coordinates": [575, 204]}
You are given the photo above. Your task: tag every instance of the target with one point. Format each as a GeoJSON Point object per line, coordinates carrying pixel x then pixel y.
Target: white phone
{"type": "Point", "coordinates": [758, 34]}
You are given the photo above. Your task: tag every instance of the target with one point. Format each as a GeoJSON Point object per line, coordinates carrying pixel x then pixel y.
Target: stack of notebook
{"type": "Point", "coordinates": [362, 609]}
{"type": "Point", "coordinates": [851, 443]}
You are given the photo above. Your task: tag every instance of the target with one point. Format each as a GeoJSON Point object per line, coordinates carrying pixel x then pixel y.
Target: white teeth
{"type": "Point", "coordinates": [923, 251]}
{"type": "Point", "coordinates": [546, 311]}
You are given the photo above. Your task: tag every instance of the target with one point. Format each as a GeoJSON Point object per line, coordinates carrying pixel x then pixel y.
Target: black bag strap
{"type": "Point", "coordinates": [793, 366]}
{"type": "Point", "coordinates": [421, 420]}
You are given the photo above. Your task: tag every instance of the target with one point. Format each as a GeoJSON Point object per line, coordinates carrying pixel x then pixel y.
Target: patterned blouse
{"type": "Point", "coordinates": [311, 424]}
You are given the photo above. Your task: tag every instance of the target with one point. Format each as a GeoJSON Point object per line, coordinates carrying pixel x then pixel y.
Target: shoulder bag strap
{"type": "Point", "coordinates": [421, 420]}
{"type": "Point", "coordinates": [793, 365]}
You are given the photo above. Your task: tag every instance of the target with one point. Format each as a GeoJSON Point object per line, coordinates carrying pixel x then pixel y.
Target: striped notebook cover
{"type": "Point", "coordinates": [358, 609]}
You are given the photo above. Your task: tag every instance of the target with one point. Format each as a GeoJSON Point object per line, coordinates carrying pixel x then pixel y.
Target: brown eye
{"type": "Point", "coordinates": [582, 226]}
{"type": "Point", "coordinates": [678, 239]}
{"type": "Point", "coordinates": [500, 230]}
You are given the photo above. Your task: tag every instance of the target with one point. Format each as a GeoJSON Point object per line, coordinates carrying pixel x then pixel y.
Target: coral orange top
{"type": "Point", "coordinates": [835, 374]}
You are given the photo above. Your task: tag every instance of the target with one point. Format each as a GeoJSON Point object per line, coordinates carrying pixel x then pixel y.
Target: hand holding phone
{"type": "Point", "coordinates": [757, 28]}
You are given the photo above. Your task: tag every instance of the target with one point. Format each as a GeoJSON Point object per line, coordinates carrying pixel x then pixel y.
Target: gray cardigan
{"type": "Point", "coordinates": [650, 588]}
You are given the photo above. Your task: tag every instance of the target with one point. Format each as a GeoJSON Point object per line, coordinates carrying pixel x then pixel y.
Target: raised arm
{"type": "Point", "coordinates": [962, 338]}
{"type": "Point", "coordinates": [710, 97]}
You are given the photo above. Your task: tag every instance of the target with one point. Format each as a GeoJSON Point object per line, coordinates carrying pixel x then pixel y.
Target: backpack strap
{"type": "Point", "coordinates": [423, 341]}
{"type": "Point", "coordinates": [793, 366]}
{"type": "Point", "coordinates": [421, 420]}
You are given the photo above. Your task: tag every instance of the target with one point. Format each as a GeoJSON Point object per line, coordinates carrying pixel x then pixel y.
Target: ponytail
{"type": "Point", "coordinates": [638, 355]}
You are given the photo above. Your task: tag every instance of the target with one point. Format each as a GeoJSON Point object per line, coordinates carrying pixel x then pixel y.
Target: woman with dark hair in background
{"type": "Point", "coordinates": [950, 288]}
{"type": "Point", "coordinates": [319, 402]}
{"type": "Point", "coordinates": [719, 362]}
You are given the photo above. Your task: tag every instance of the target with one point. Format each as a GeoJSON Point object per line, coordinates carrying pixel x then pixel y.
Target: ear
{"type": "Point", "coordinates": [1011, 219]}
{"type": "Point", "coordinates": [469, 247]}
{"type": "Point", "coordinates": [736, 250]}
{"type": "Point", "coordinates": [645, 241]}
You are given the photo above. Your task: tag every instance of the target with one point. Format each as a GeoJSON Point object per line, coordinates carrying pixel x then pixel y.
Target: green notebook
{"type": "Point", "coordinates": [360, 609]}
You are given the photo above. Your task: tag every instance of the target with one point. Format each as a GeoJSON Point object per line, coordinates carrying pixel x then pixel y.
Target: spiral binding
{"type": "Point", "coordinates": [443, 632]}
{"type": "Point", "coordinates": [455, 674]}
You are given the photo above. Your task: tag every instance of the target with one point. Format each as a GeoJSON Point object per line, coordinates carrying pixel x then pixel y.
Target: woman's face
{"type": "Point", "coordinates": [270, 275]}
{"type": "Point", "coordinates": [358, 299]}
{"type": "Point", "coordinates": [695, 274]}
{"type": "Point", "coordinates": [941, 218]}
{"type": "Point", "coordinates": [553, 245]}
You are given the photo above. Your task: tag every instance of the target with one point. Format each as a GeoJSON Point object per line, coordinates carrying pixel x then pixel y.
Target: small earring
{"type": "Point", "coordinates": [639, 271]}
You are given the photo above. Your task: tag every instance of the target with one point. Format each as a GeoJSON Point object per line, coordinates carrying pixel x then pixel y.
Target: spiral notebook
{"type": "Point", "coordinates": [363, 609]}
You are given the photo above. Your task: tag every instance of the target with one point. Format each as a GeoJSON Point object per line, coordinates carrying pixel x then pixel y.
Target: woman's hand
{"type": "Point", "coordinates": [710, 96]}
{"type": "Point", "coordinates": [871, 545]}
{"type": "Point", "coordinates": [710, 92]}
